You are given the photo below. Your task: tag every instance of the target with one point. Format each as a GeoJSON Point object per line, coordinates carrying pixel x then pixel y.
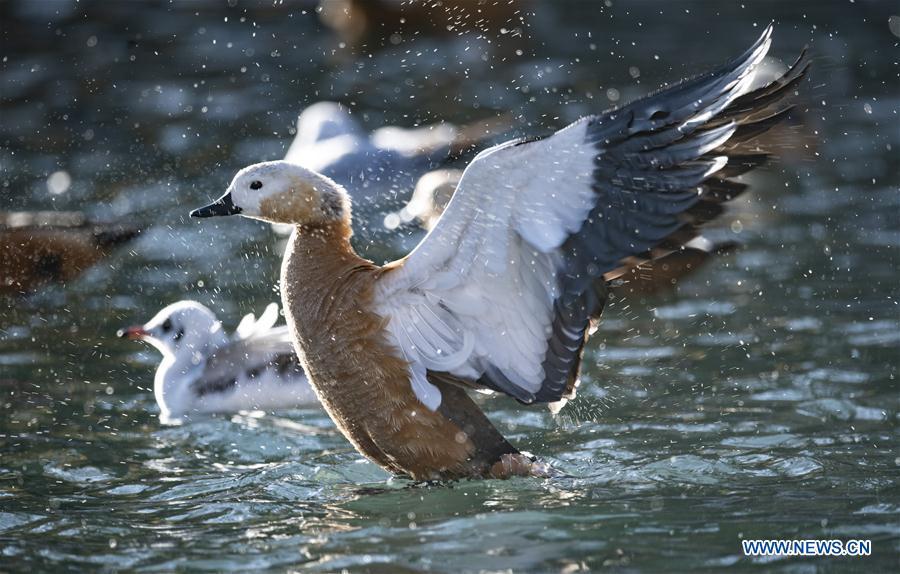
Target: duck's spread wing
{"type": "Point", "coordinates": [502, 292]}
{"type": "Point", "coordinates": [248, 356]}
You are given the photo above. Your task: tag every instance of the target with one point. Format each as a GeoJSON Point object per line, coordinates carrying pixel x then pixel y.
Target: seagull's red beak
{"type": "Point", "coordinates": [135, 333]}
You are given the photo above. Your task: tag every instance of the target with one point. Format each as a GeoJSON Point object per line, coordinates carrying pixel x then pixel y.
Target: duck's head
{"type": "Point", "coordinates": [281, 192]}
{"type": "Point", "coordinates": [185, 330]}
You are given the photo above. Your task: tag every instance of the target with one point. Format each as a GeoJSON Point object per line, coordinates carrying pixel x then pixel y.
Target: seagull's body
{"type": "Point", "coordinates": [204, 370]}
{"type": "Point", "coordinates": [503, 292]}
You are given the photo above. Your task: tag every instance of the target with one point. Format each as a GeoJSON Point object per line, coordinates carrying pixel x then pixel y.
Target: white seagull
{"type": "Point", "coordinates": [204, 370]}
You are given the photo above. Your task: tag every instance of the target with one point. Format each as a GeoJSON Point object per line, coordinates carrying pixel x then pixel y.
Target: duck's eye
{"type": "Point", "coordinates": [255, 184]}
{"type": "Point", "coordinates": [167, 325]}
{"type": "Point", "coordinates": [179, 334]}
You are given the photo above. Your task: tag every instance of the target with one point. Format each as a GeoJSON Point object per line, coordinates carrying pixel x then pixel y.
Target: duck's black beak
{"type": "Point", "coordinates": [222, 206]}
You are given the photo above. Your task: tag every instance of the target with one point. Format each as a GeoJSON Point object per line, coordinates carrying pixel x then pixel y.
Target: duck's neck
{"type": "Point", "coordinates": [322, 277]}
{"type": "Point", "coordinates": [319, 259]}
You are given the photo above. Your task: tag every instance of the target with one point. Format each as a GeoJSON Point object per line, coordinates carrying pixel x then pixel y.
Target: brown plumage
{"type": "Point", "coordinates": [360, 381]}
{"type": "Point", "coordinates": [374, 21]}
{"type": "Point", "coordinates": [41, 247]}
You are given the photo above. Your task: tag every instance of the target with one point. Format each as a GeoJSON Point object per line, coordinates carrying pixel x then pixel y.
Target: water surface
{"type": "Point", "coordinates": [759, 401]}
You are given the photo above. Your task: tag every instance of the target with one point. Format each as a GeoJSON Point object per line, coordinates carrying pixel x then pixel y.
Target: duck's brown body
{"type": "Point", "coordinates": [327, 292]}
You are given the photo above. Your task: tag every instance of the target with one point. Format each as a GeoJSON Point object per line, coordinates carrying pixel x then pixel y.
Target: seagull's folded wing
{"type": "Point", "coordinates": [502, 292]}
{"type": "Point", "coordinates": [250, 355]}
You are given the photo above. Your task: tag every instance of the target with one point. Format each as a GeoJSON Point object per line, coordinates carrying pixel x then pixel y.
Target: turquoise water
{"type": "Point", "coordinates": [759, 401]}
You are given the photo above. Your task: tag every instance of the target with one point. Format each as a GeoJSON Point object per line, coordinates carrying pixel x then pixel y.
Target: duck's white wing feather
{"type": "Point", "coordinates": [502, 291]}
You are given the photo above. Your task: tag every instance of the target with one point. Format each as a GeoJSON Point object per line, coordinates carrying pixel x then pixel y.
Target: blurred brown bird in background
{"type": "Point", "coordinates": [368, 21]}
{"type": "Point", "coordinates": [49, 246]}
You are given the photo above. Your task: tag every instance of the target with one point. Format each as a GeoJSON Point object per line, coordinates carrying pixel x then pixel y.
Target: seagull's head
{"type": "Point", "coordinates": [281, 192]}
{"type": "Point", "coordinates": [185, 330]}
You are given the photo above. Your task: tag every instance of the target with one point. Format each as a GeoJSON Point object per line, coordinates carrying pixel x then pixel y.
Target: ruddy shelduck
{"type": "Point", "coordinates": [502, 294]}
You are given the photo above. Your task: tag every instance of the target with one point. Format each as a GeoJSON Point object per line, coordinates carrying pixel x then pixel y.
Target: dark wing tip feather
{"type": "Point", "coordinates": [750, 130]}
{"type": "Point", "coordinates": [768, 104]}
{"type": "Point", "coordinates": [663, 168]}
{"type": "Point", "coordinates": [680, 102]}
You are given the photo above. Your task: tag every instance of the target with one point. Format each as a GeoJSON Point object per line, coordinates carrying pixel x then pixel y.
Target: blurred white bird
{"type": "Point", "coordinates": [381, 167]}
{"type": "Point", "coordinates": [204, 370]}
